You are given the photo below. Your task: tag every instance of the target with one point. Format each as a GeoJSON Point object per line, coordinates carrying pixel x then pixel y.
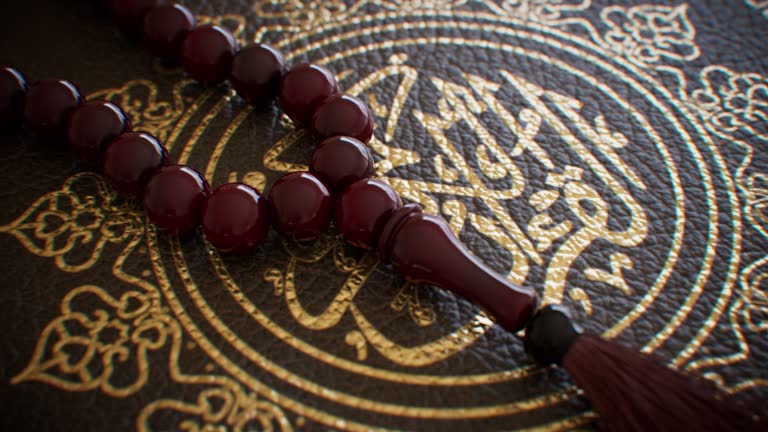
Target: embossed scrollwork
{"type": "Point", "coordinates": [735, 105]}
{"type": "Point", "coordinates": [734, 101]}
{"type": "Point", "coordinates": [100, 342]}
{"type": "Point", "coordinates": [306, 14]}
{"type": "Point", "coordinates": [74, 224]}
{"type": "Point", "coordinates": [225, 408]}
{"type": "Point", "coordinates": [649, 32]}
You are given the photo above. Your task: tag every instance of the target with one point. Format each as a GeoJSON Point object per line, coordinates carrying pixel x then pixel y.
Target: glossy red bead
{"type": "Point", "coordinates": [92, 126]}
{"type": "Point", "coordinates": [340, 161]}
{"type": "Point", "coordinates": [130, 159]}
{"type": "Point", "coordinates": [303, 89]}
{"type": "Point", "coordinates": [343, 115]}
{"type": "Point", "coordinates": [363, 209]}
{"type": "Point", "coordinates": [12, 89]}
{"type": "Point", "coordinates": [235, 218]}
{"type": "Point", "coordinates": [128, 13]}
{"type": "Point", "coordinates": [207, 54]}
{"type": "Point", "coordinates": [164, 29]}
{"type": "Point", "coordinates": [256, 73]}
{"type": "Point", "coordinates": [174, 198]}
{"type": "Point", "coordinates": [48, 104]}
{"type": "Point", "coordinates": [301, 206]}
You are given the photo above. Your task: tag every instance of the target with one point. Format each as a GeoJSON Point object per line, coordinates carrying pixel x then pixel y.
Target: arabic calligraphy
{"type": "Point", "coordinates": [526, 241]}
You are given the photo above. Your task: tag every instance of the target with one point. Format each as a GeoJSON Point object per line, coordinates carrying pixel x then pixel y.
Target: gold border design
{"type": "Point", "coordinates": [728, 104]}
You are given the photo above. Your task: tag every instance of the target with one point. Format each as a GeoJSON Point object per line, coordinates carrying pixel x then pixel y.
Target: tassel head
{"type": "Point", "coordinates": [550, 334]}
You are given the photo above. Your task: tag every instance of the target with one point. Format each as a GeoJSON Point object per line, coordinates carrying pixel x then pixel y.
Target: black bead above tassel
{"type": "Point", "coordinates": [550, 334]}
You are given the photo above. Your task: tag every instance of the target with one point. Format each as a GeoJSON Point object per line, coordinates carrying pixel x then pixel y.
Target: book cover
{"type": "Point", "coordinates": [609, 154]}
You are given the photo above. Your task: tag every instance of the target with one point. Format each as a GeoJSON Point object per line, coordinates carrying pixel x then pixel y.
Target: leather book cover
{"type": "Point", "coordinates": [610, 154]}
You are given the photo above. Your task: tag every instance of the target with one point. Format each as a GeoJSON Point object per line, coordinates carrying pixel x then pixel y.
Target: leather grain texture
{"type": "Point", "coordinates": [609, 154]}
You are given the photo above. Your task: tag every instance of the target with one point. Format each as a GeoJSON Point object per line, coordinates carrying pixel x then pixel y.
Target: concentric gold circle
{"type": "Point", "coordinates": [299, 373]}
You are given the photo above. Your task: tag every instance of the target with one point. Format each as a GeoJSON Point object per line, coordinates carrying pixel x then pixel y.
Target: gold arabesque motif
{"type": "Point", "coordinates": [216, 409]}
{"type": "Point", "coordinates": [730, 104]}
{"type": "Point", "coordinates": [649, 32]}
{"type": "Point", "coordinates": [103, 338]}
{"type": "Point", "coordinates": [75, 224]}
{"type": "Point", "coordinates": [304, 14]}
{"type": "Point", "coordinates": [86, 349]}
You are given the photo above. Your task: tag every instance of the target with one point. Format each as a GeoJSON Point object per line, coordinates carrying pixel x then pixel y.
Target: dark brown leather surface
{"type": "Point", "coordinates": [611, 156]}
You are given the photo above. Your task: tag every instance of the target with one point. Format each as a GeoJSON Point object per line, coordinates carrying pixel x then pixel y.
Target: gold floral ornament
{"type": "Point", "coordinates": [734, 101]}
{"type": "Point", "coordinates": [748, 316]}
{"type": "Point", "coordinates": [735, 105]}
{"type": "Point", "coordinates": [303, 13]}
{"type": "Point", "coordinates": [99, 342]}
{"type": "Point", "coordinates": [102, 342]}
{"type": "Point", "coordinates": [217, 409]}
{"type": "Point", "coordinates": [76, 223]}
{"type": "Point", "coordinates": [754, 281]}
{"type": "Point", "coordinates": [538, 10]}
{"type": "Point", "coordinates": [646, 33]}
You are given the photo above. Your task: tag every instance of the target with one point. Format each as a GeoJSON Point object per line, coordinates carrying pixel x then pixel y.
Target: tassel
{"type": "Point", "coordinates": [632, 391]}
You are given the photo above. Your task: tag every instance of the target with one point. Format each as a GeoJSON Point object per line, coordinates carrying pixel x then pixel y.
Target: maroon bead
{"type": "Point", "coordinates": [363, 209]}
{"type": "Point", "coordinates": [207, 54]}
{"type": "Point", "coordinates": [164, 29]}
{"type": "Point", "coordinates": [128, 13]}
{"type": "Point", "coordinates": [340, 161]}
{"type": "Point", "coordinates": [301, 206]}
{"type": "Point", "coordinates": [256, 73]}
{"type": "Point", "coordinates": [235, 218]}
{"type": "Point", "coordinates": [174, 198]}
{"type": "Point", "coordinates": [130, 159]}
{"type": "Point", "coordinates": [48, 104]}
{"type": "Point", "coordinates": [12, 89]}
{"type": "Point", "coordinates": [343, 115]}
{"type": "Point", "coordinates": [424, 250]}
{"type": "Point", "coordinates": [92, 126]}
{"type": "Point", "coordinates": [303, 89]}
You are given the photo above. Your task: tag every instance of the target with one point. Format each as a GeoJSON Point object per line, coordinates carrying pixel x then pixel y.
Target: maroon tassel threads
{"type": "Point", "coordinates": [633, 391]}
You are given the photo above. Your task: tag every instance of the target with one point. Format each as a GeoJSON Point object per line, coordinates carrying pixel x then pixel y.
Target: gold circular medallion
{"type": "Point", "coordinates": [560, 165]}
